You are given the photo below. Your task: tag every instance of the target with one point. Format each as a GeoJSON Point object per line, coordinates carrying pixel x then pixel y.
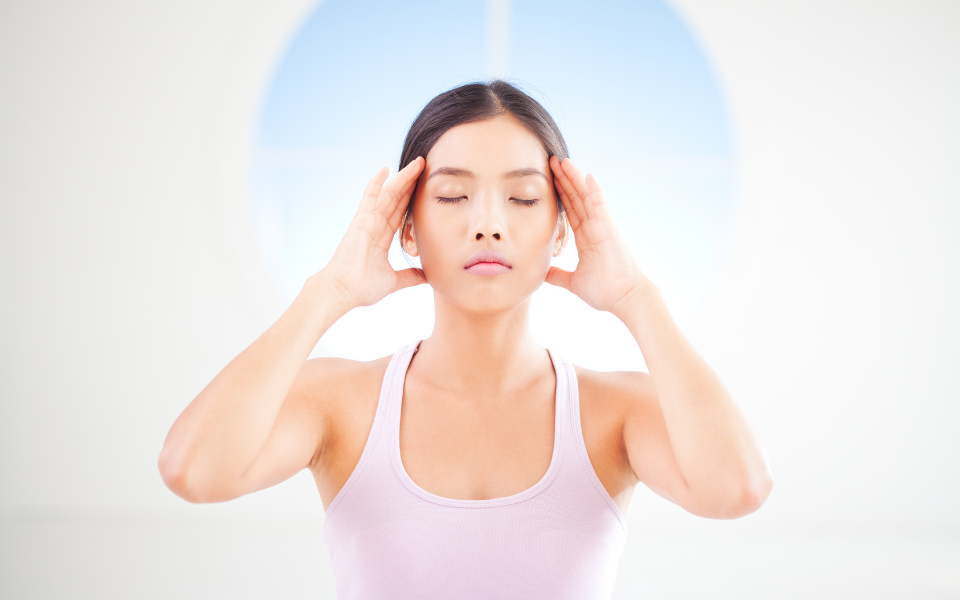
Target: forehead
{"type": "Point", "coordinates": [495, 145]}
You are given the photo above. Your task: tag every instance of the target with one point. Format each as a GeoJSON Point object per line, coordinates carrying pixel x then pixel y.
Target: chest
{"type": "Point", "coordinates": [477, 449]}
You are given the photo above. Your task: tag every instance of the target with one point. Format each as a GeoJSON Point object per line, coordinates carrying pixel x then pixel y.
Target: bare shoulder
{"type": "Point", "coordinates": [630, 397]}
{"type": "Point", "coordinates": [614, 387]}
{"type": "Point", "coordinates": [608, 402]}
{"type": "Point", "coordinates": [345, 392]}
{"type": "Point", "coordinates": [340, 389]}
{"type": "Point", "coordinates": [628, 394]}
{"type": "Point", "coordinates": [609, 398]}
{"type": "Point", "coordinates": [330, 380]}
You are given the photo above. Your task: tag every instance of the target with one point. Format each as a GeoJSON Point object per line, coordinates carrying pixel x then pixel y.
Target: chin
{"type": "Point", "coordinates": [485, 306]}
{"type": "Point", "coordinates": [485, 295]}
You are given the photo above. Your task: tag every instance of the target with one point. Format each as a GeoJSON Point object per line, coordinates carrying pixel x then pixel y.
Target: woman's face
{"type": "Point", "coordinates": [486, 187]}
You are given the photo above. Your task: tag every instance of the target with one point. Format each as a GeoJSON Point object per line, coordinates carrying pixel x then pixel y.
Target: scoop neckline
{"type": "Point", "coordinates": [559, 404]}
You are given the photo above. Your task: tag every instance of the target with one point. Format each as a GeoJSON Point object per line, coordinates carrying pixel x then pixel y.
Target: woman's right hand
{"type": "Point", "coordinates": [359, 270]}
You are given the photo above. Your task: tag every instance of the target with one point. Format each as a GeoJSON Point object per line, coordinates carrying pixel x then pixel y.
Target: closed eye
{"type": "Point", "coordinates": [521, 201]}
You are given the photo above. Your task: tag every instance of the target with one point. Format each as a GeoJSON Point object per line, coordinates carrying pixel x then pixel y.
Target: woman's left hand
{"type": "Point", "coordinates": [607, 274]}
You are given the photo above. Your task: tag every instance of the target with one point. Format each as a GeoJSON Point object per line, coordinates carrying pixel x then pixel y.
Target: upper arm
{"type": "Point", "coordinates": [646, 439]}
{"type": "Point", "coordinates": [653, 458]}
{"type": "Point", "coordinates": [302, 425]}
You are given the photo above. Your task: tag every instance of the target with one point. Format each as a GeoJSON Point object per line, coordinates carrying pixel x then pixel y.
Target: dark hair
{"type": "Point", "coordinates": [473, 102]}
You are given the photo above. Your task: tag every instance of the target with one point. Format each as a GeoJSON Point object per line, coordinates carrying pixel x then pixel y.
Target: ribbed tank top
{"type": "Point", "coordinates": [388, 538]}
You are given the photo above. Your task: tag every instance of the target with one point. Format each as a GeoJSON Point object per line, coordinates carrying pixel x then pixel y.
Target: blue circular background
{"type": "Point", "coordinates": [627, 82]}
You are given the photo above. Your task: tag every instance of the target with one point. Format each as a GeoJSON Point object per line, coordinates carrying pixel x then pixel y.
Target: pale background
{"type": "Point", "coordinates": [130, 276]}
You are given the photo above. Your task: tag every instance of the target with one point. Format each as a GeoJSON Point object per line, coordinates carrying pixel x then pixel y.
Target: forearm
{"type": "Point", "coordinates": [714, 448]}
{"type": "Point", "coordinates": [223, 430]}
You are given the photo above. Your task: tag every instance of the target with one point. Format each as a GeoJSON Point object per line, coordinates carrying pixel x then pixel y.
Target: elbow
{"type": "Point", "coordinates": [174, 473]}
{"type": "Point", "coordinates": [178, 476]}
{"type": "Point", "coordinates": [753, 497]}
{"type": "Point", "coordinates": [736, 500]}
{"type": "Point", "coordinates": [733, 501]}
{"type": "Point", "coordinates": [750, 496]}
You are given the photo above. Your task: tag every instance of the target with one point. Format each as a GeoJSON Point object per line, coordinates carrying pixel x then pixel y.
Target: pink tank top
{"type": "Point", "coordinates": [388, 538]}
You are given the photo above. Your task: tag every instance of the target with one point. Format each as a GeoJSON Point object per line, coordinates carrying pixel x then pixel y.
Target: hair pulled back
{"type": "Point", "coordinates": [474, 102]}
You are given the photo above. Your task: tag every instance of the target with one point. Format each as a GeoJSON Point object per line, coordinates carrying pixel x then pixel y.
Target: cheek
{"type": "Point", "coordinates": [543, 261]}
{"type": "Point", "coordinates": [539, 246]}
{"type": "Point", "coordinates": [435, 234]}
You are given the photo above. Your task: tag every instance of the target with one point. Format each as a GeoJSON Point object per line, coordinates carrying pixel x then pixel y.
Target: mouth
{"type": "Point", "coordinates": [487, 262]}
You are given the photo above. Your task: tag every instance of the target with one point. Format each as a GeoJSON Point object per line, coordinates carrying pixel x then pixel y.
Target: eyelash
{"type": "Point", "coordinates": [521, 201]}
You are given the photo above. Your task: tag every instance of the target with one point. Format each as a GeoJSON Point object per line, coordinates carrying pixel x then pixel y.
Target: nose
{"type": "Point", "coordinates": [487, 217]}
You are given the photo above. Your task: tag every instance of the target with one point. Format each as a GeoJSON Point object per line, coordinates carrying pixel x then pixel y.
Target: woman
{"type": "Point", "coordinates": [517, 467]}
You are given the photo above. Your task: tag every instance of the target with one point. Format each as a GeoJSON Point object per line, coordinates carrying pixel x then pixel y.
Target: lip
{"type": "Point", "coordinates": [487, 262]}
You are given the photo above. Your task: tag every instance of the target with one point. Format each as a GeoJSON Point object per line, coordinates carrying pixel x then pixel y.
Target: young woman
{"type": "Point", "coordinates": [474, 463]}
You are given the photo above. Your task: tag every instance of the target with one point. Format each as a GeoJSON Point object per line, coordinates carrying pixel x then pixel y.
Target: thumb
{"type": "Point", "coordinates": [410, 277]}
{"type": "Point", "coordinates": [558, 277]}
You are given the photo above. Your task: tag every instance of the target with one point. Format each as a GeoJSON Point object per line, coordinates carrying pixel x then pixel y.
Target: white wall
{"type": "Point", "coordinates": [836, 321]}
{"type": "Point", "coordinates": [129, 274]}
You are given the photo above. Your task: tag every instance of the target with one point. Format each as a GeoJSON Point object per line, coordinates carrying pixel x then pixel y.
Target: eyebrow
{"type": "Point", "coordinates": [457, 172]}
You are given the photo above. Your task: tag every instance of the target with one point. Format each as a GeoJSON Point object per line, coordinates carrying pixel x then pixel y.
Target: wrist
{"type": "Point", "coordinates": [326, 296]}
{"type": "Point", "coordinates": [641, 294]}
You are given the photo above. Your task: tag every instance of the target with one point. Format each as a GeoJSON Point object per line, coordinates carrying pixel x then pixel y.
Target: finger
{"type": "Point", "coordinates": [576, 201]}
{"type": "Point", "coordinates": [392, 224]}
{"type": "Point", "coordinates": [567, 206]}
{"type": "Point", "coordinates": [393, 220]}
{"type": "Point", "coordinates": [565, 198]}
{"type": "Point", "coordinates": [392, 192]}
{"type": "Point", "coordinates": [579, 183]}
{"type": "Point", "coordinates": [595, 197]}
{"type": "Point", "coordinates": [372, 191]}
{"type": "Point", "coordinates": [569, 186]}
{"type": "Point", "coordinates": [410, 277]}
{"type": "Point", "coordinates": [559, 277]}
{"type": "Point", "coordinates": [576, 177]}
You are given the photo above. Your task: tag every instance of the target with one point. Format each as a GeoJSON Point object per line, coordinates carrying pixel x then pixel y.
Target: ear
{"type": "Point", "coordinates": [563, 234]}
{"type": "Point", "coordinates": [408, 238]}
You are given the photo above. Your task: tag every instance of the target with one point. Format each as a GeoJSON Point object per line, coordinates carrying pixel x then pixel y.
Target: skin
{"type": "Point", "coordinates": [478, 406]}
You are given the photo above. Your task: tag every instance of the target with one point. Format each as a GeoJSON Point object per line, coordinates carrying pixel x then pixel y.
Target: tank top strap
{"type": "Point", "coordinates": [574, 433]}
{"type": "Point", "coordinates": [563, 424]}
{"type": "Point", "coordinates": [376, 450]}
{"type": "Point", "coordinates": [392, 393]}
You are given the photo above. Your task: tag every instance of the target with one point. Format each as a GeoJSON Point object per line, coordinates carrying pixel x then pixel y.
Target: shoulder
{"type": "Point", "coordinates": [609, 403]}
{"type": "Point", "coordinates": [626, 389]}
{"type": "Point", "coordinates": [342, 394]}
{"type": "Point", "coordinates": [331, 382]}
{"type": "Point", "coordinates": [627, 396]}
{"type": "Point", "coordinates": [615, 400]}
{"type": "Point", "coordinates": [341, 374]}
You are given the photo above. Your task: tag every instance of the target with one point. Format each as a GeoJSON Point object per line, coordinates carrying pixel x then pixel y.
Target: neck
{"type": "Point", "coordinates": [481, 354]}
